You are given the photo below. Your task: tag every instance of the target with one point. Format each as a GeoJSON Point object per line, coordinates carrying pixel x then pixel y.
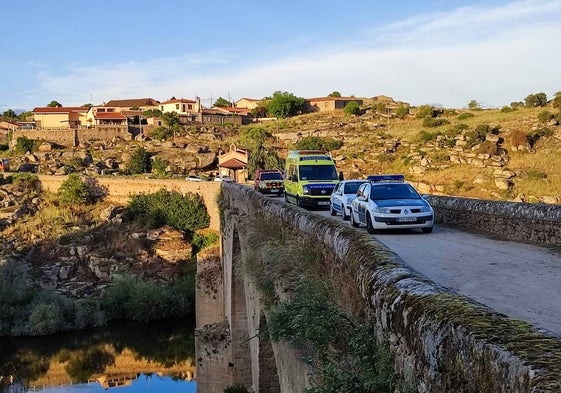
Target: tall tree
{"type": "Point", "coordinates": [54, 104]}
{"type": "Point", "coordinates": [285, 104]}
{"type": "Point", "coordinates": [261, 154]}
{"type": "Point", "coordinates": [10, 114]}
{"type": "Point", "coordinates": [222, 103]}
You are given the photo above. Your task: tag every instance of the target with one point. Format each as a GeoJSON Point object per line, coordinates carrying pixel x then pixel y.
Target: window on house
{"type": "Point", "coordinates": [190, 106]}
{"type": "Point", "coordinates": [183, 108]}
{"type": "Point", "coordinates": [162, 108]}
{"type": "Point", "coordinates": [111, 110]}
{"type": "Point", "coordinates": [177, 106]}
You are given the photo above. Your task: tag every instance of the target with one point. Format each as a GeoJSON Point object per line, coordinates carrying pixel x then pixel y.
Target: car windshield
{"type": "Point", "coordinates": [393, 191]}
{"type": "Point", "coordinates": [351, 188]}
{"type": "Point", "coordinates": [318, 172]}
{"type": "Point", "coordinates": [271, 176]}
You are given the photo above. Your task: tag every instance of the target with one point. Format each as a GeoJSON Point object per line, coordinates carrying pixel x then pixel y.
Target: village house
{"type": "Point", "coordinates": [322, 104]}
{"type": "Point", "coordinates": [247, 103]}
{"type": "Point", "coordinates": [59, 118]}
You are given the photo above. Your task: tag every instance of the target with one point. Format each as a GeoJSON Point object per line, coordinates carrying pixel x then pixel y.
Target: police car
{"type": "Point", "coordinates": [342, 196]}
{"type": "Point", "coordinates": [388, 202]}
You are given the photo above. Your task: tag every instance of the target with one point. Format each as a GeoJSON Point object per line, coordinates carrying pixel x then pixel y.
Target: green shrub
{"type": "Point", "coordinates": [318, 143]}
{"type": "Point", "coordinates": [161, 133]}
{"type": "Point", "coordinates": [465, 116]}
{"type": "Point", "coordinates": [424, 111]}
{"type": "Point", "coordinates": [133, 299]}
{"type": "Point", "coordinates": [24, 144]}
{"type": "Point", "coordinates": [185, 212]}
{"type": "Point", "coordinates": [426, 136]}
{"type": "Point", "coordinates": [337, 342]}
{"type": "Point", "coordinates": [402, 111]}
{"type": "Point", "coordinates": [159, 166]}
{"type": "Point", "coordinates": [544, 116]}
{"type": "Point", "coordinates": [507, 109]}
{"type": "Point", "coordinates": [434, 122]}
{"type": "Point", "coordinates": [74, 191]}
{"type": "Point", "coordinates": [352, 108]}
{"type": "Point", "coordinates": [236, 388]}
{"type": "Point", "coordinates": [140, 161]}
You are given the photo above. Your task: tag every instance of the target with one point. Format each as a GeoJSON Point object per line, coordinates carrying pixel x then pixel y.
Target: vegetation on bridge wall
{"type": "Point", "coordinates": [301, 289]}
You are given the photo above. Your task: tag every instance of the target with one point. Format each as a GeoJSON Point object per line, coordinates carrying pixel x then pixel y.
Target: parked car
{"type": "Point", "coordinates": [193, 178]}
{"type": "Point", "coordinates": [4, 165]}
{"type": "Point", "coordinates": [269, 181]}
{"type": "Point", "coordinates": [224, 178]}
{"type": "Point", "coordinates": [342, 196]}
{"type": "Point", "coordinates": [388, 202]}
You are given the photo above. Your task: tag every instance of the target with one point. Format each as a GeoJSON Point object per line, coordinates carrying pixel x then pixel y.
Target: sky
{"type": "Point", "coordinates": [437, 52]}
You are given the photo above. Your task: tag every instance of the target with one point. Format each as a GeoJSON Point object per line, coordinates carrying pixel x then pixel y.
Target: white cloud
{"type": "Point", "coordinates": [494, 55]}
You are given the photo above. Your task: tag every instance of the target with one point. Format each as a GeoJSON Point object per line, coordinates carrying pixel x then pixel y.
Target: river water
{"type": "Point", "coordinates": [152, 357]}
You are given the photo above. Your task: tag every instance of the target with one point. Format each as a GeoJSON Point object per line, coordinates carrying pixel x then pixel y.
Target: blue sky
{"type": "Point", "coordinates": [444, 52]}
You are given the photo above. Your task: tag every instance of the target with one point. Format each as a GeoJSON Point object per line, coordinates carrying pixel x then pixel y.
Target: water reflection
{"type": "Point", "coordinates": [125, 354]}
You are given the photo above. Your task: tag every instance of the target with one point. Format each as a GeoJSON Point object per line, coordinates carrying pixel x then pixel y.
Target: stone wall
{"type": "Point", "coordinates": [119, 190]}
{"type": "Point", "coordinates": [522, 222]}
{"type": "Point", "coordinates": [442, 341]}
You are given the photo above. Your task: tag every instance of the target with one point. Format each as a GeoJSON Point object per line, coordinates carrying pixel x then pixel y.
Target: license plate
{"type": "Point", "coordinates": [406, 219]}
{"type": "Point", "coordinates": [323, 203]}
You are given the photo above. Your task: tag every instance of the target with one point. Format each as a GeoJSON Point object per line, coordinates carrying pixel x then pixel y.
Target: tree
{"type": "Point", "coordinates": [473, 104]}
{"type": "Point", "coordinates": [222, 103]}
{"type": "Point", "coordinates": [10, 114]}
{"type": "Point", "coordinates": [54, 104]}
{"type": "Point", "coordinates": [261, 156]}
{"type": "Point", "coordinates": [173, 122]}
{"type": "Point", "coordinates": [535, 100]}
{"type": "Point", "coordinates": [284, 104]}
{"type": "Point", "coordinates": [334, 94]}
{"type": "Point", "coordinates": [140, 161]}
{"type": "Point", "coordinates": [152, 113]}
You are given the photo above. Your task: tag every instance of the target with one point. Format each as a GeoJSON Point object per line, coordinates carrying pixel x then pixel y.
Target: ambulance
{"type": "Point", "coordinates": [309, 178]}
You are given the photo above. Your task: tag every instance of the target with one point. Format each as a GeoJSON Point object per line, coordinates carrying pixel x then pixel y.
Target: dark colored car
{"type": "Point", "coordinates": [269, 181]}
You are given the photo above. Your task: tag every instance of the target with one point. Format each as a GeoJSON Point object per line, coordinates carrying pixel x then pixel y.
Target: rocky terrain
{"type": "Point", "coordinates": [482, 156]}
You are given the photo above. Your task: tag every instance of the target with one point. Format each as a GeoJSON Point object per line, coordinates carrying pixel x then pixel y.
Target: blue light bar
{"type": "Point", "coordinates": [386, 178]}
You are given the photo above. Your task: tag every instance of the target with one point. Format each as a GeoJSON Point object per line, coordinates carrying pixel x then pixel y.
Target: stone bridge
{"type": "Point", "coordinates": [441, 341]}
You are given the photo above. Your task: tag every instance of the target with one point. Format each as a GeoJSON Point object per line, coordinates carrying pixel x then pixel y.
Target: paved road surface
{"type": "Point", "coordinates": [519, 280]}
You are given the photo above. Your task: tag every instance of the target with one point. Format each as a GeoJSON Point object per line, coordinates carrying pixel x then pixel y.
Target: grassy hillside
{"type": "Point", "coordinates": [523, 150]}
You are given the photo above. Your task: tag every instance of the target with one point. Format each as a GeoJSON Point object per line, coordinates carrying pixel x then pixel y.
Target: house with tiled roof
{"type": "Point", "coordinates": [59, 118]}
{"type": "Point", "coordinates": [247, 103]}
{"type": "Point", "coordinates": [143, 104]}
{"type": "Point", "coordinates": [234, 164]}
{"type": "Point", "coordinates": [188, 110]}
{"type": "Point", "coordinates": [320, 104]}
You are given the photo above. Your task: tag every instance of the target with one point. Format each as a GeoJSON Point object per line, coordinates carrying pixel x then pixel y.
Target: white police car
{"type": "Point", "coordinates": [388, 202]}
{"type": "Point", "coordinates": [342, 196]}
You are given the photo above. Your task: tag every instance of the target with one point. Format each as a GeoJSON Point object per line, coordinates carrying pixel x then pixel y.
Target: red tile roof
{"type": "Point", "coordinates": [132, 102]}
{"type": "Point", "coordinates": [109, 116]}
{"type": "Point", "coordinates": [179, 100]}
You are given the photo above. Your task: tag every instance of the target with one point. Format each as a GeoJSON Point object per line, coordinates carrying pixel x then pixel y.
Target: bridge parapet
{"type": "Point", "coordinates": [524, 222]}
{"type": "Point", "coordinates": [440, 340]}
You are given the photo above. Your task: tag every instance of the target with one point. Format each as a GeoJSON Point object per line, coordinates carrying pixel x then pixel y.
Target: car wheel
{"type": "Point", "coordinates": [332, 211]}
{"type": "Point", "coordinates": [344, 214]}
{"type": "Point", "coordinates": [369, 227]}
{"type": "Point", "coordinates": [353, 222]}
{"type": "Point", "coordinates": [426, 230]}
